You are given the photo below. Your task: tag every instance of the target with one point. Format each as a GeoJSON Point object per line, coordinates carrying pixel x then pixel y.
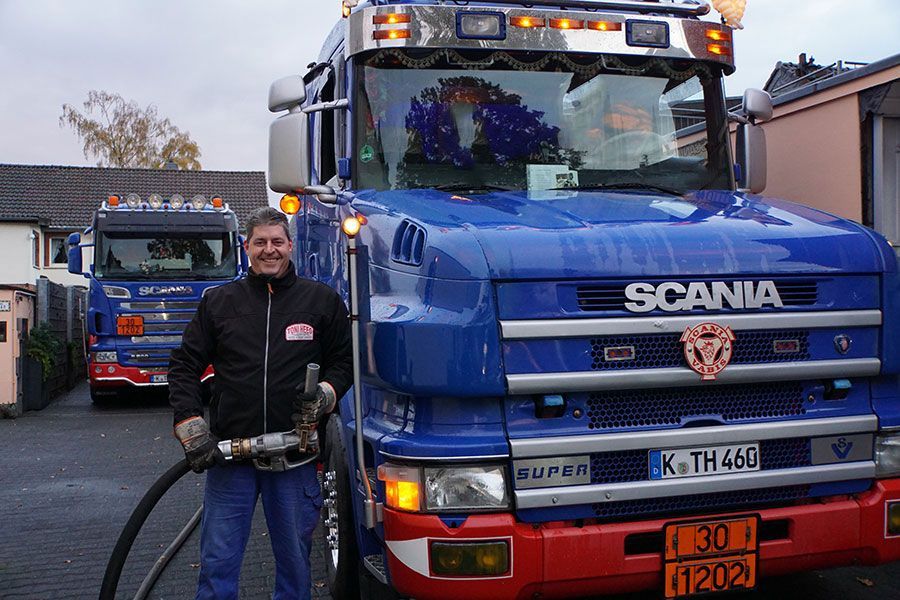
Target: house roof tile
{"type": "Point", "coordinates": [66, 197]}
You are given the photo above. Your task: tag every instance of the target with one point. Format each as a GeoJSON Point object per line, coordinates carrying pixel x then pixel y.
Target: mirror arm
{"type": "Point", "coordinates": [343, 103]}
{"type": "Point", "coordinates": [739, 118]}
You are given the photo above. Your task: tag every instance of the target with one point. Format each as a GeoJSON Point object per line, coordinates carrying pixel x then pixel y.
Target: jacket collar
{"type": "Point", "coordinates": [278, 283]}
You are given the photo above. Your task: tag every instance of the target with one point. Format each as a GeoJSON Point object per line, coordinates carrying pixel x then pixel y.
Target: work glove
{"type": "Point", "coordinates": [200, 447]}
{"type": "Point", "coordinates": [310, 408]}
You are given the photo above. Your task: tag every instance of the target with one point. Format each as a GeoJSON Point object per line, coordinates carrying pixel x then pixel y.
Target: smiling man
{"type": "Point", "coordinates": [259, 333]}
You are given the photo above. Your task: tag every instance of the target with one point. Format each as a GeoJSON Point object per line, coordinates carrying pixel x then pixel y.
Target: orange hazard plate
{"type": "Point", "coordinates": [711, 556]}
{"type": "Point", "coordinates": [130, 326]}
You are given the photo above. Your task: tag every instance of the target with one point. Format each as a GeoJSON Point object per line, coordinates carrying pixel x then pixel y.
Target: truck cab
{"type": "Point", "coordinates": [152, 262]}
{"type": "Point", "coordinates": [592, 358]}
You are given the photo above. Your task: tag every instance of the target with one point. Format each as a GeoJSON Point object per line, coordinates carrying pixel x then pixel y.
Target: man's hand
{"type": "Point", "coordinates": [309, 408]}
{"type": "Point", "coordinates": [200, 446]}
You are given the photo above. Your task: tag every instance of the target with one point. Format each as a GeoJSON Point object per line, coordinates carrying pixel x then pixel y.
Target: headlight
{"type": "Point", "coordinates": [461, 488]}
{"type": "Point", "coordinates": [104, 357]}
{"type": "Point", "coordinates": [887, 455]}
{"type": "Point", "coordinates": [444, 489]}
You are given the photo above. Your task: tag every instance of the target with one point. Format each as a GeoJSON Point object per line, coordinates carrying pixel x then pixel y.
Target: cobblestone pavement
{"type": "Point", "coordinates": [70, 476]}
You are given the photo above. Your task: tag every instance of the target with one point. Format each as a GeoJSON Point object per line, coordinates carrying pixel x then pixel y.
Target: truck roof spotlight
{"type": "Point", "coordinates": [198, 202]}
{"type": "Point", "coordinates": [155, 201]}
{"type": "Point", "coordinates": [176, 201]}
{"type": "Point", "coordinates": [133, 200]}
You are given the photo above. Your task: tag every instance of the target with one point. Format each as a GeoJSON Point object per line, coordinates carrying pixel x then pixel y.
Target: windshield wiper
{"type": "Point", "coordinates": [464, 187]}
{"type": "Point", "coordinates": [630, 185]}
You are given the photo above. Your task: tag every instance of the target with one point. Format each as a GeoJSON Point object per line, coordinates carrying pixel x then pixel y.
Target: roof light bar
{"type": "Point", "coordinates": [634, 6]}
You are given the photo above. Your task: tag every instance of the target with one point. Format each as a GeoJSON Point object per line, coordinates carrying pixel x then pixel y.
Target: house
{"type": "Point", "coordinates": [41, 205]}
{"type": "Point", "coordinates": [834, 140]}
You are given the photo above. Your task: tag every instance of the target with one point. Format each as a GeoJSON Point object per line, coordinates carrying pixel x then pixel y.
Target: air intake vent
{"type": "Point", "coordinates": [607, 297]}
{"type": "Point", "coordinates": [409, 244]}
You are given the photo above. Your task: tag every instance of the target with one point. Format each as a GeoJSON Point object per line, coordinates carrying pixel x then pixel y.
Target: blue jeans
{"type": "Point", "coordinates": [291, 501]}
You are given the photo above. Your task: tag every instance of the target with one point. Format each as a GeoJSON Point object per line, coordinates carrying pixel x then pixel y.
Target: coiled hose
{"type": "Point", "coordinates": [134, 524]}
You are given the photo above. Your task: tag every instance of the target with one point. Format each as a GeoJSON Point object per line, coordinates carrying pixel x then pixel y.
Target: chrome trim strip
{"type": "Point", "coordinates": [426, 459]}
{"type": "Point", "coordinates": [434, 26]}
{"type": "Point", "coordinates": [639, 6]}
{"type": "Point", "coordinates": [579, 328]}
{"type": "Point", "coordinates": [695, 436]}
{"type": "Point", "coordinates": [633, 379]}
{"type": "Point", "coordinates": [642, 490]}
{"type": "Point", "coordinates": [130, 381]}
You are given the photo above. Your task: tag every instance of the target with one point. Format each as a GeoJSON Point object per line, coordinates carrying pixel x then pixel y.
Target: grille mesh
{"type": "Point", "coordinates": [700, 502]}
{"type": "Point", "coordinates": [661, 351]}
{"type": "Point", "coordinates": [630, 409]}
{"type": "Point", "coordinates": [631, 465]}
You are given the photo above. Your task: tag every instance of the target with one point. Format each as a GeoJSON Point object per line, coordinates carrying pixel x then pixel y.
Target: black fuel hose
{"type": "Point", "coordinates": [133, 527]}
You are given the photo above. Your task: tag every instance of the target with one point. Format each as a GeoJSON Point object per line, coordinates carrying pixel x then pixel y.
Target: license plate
{"type": "Point", "coordinates": [711, 556]}
{"type": "Point", "coordinates": [159, 378]}
{"type": "Point", "coordinates": [130, 326]}
{"type": "Point", "coordinates": [709, 460]}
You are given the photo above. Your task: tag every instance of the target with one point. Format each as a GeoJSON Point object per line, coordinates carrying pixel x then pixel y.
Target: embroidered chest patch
{"type": "Point", "coordinates": [298, 332]}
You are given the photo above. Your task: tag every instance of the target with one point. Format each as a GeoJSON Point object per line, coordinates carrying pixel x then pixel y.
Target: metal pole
{"type": "Point", "coordinates": [369, 507]}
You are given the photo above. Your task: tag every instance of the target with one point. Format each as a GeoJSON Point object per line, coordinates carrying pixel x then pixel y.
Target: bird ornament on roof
{"type": "Point", "coordinates": [732, 11]}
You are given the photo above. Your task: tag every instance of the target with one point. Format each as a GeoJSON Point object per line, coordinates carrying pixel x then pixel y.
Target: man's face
{"type": "Point", "coordinates": [269, 249]}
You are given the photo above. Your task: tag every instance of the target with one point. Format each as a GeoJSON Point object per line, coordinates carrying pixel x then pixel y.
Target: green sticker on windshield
{"type": "Point", "coordinates": [366, 153]}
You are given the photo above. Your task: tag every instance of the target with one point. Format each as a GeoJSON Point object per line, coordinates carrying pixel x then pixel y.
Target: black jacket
{"type": "Point", "coordinates": [259, 334]}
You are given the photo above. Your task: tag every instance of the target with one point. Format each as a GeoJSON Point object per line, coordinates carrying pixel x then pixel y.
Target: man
{"type": "Point", "coordinates": [259, 333]}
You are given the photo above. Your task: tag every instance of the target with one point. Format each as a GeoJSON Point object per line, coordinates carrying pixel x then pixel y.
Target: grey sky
{"type": "Point", "coordinates": [207, 64]}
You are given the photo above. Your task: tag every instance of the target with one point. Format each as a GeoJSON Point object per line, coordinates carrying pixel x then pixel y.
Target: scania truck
{"type": "Point", "coordinates": [591, 357]}
{"type": "Point", "coordinates": [153, 259]}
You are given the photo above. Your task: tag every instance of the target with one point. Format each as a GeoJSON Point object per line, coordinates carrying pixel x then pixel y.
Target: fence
{"type": "Point", "coordinates": [63, 310]}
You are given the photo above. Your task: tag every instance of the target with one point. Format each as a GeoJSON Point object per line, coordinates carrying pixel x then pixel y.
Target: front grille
{"type": "Point", "coordinates": [611, 297]}
{"type": "Point", "coordinates": [742, 499]}
{"type": "Point", "coordinates": [632, 465]}
{"type": "Point", "coordinates": [661, 351]}
{"type": "Point", "coordinates": [628, 409]}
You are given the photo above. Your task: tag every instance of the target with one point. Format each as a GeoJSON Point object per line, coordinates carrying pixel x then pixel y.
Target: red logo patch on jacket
{"type": "Point", "coordinates": [298, 332]}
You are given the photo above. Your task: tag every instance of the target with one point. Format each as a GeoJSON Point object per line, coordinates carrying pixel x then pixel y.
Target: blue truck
{"type": "Point", "coordinates": [153, 259]}
{"type": "Point", "coordinates": [591, 358]}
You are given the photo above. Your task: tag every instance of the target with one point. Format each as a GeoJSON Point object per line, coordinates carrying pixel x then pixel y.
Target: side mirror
{"type": "Point", "coordinates": [74, 254]}
{"type": "Point", "coordinates": [757, 105]}
{"type": "Point", "coordinates": [751, 156]}
{"type": "Point", "coordinates": [289, 153]}
{"type": "Point", "coordinates": [245, 261]}
{"type": "Point", "coordinates": [286, 93]}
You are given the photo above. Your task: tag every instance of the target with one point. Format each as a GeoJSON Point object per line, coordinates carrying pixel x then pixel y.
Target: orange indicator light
{"type": "Point", "coordinates": [527, 22]}
{"type": "Point", "coordinates": [566, 24]}
{"type": "Point", "coordinates": [402, 494]}
{"type": "Point", "coordinates": [217, 202]}
{"type": "Point", "coordinates": [719, 49]}
{"type": "Point", "coordinates": [604, 26]}
{"type": "Point", "coordinates": [391, 34]}
{"type": "Point", "coordinates": [717, 35]}
{"type": "Point", "coordinates": [391, 19]}
{"type": "Point", "coordinates": [290, 204]}
{"type": "Point", "coordinates": [113, 201]}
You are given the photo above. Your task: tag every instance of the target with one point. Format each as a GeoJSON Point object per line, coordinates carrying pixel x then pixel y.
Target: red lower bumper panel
{"type": "Point", "coordinates": [561, 560]}
{"type": "Point", "coordinates": [114, 375]}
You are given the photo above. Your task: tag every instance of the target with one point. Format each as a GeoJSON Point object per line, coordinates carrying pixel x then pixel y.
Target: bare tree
{"type": "Point", "coordinates": [126, 135]}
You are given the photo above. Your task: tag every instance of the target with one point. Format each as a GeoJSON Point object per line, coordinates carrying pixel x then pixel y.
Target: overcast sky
{"type": "Point", "coordinates": [207, 64]}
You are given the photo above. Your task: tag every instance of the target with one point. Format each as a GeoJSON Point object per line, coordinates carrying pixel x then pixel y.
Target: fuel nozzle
{"type": "Point", "coordinates": [309, 438]}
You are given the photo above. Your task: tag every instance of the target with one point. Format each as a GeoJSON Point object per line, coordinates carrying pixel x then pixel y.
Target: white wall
{"type": "Point", "coordinates": [16, 264]}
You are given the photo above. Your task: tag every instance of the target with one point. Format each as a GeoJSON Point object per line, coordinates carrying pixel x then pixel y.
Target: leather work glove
{"type": "Point", "coordinates": [308, 410]}
{"type": "Point", "coordinates": [200, 446]}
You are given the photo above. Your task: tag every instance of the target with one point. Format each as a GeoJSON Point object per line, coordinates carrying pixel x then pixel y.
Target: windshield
{"type": "Point", "coordinates": [121, 255]}
{"type": "Point", "coordinates": [537, 121]}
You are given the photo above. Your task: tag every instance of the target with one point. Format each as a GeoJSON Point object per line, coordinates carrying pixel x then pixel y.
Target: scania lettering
{"type": "Point", "coordinates": [673, 296]}
{"type": "Point", "coordinates": [588, 359]}
{"type": "Point", "coordinates": [152, 261]}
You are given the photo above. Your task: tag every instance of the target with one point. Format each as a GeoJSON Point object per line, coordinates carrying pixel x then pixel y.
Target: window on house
{"type": "Point", "coordinates": [2, 331]}
{"type": "Point", "coordinates": [57, 251]}
{"type": "Point", "coordinates": [35, 248]}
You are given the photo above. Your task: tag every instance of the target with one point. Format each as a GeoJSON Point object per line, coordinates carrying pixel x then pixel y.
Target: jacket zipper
{"type": "Point", "coordinates": [266, 365]}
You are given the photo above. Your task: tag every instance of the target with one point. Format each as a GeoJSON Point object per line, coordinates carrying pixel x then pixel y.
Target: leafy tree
{"type": "Point", "coordinates": [126, 135]}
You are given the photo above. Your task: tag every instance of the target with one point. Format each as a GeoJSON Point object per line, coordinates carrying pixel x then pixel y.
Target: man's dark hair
{"type": "Point", "coordinates": [267, 215]}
